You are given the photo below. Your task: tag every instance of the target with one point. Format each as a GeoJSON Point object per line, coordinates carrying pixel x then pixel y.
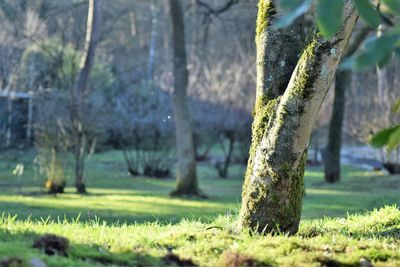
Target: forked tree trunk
{"type": "Point", "coordinates": [342, 82]}
{"type": "Point", "coordinates": [186, 176]}
{"type": "Point", "coordinates": [290, 91]}
{"type": "Point", "coordinates": [79, 90]}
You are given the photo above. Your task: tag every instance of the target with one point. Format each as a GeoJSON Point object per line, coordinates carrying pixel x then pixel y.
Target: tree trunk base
{"type": "Point", "coordinates": [81, 189]}
{"type": "Point", "coordinates": [188, 193]}
{"type": "Point", "coordinates": [273, 203]}
{"type": "Point", "coordinates": [332, 177]}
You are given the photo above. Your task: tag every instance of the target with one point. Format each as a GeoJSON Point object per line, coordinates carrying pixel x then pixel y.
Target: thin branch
{"type": "Point", "coordinates": [358, 40]}
{"type": "Point", "coordinates": [217, 11]}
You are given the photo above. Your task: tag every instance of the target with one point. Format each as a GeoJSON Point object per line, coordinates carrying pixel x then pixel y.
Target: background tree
{"type": "Point", "coordinates": [342, 84]}
{"type": "Point", "coordinates": [186, 176]}
{"type": "Point", "coordinates": [78, 91]}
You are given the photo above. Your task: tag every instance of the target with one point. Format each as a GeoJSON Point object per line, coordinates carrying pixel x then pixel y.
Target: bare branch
{"type": "Point", "coordinates": [217, 11]}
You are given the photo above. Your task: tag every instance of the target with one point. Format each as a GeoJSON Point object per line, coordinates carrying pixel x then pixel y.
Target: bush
{"type": "Point", "coordinates": [50, 164]}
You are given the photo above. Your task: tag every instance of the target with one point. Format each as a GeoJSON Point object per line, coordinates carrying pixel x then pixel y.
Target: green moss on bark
{"type": "Point", "coordinates": [265, 10]}
{"type": "Point", "coordinates": [275, 207]}
{"type": "Point", "coordinates": [263, 112]}
{"type": "Point", "coordinates": [273, 193]}
{"type": "Point", "coordinates": [307, 72]}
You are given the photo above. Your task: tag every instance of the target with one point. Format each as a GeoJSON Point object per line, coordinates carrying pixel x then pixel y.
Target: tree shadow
{"type": "Point", "coordinates": [18, 248]}
{"type": "Point", "coordinates": [393, 233]}
{"type": "Point", "coordinates": [169, 214]}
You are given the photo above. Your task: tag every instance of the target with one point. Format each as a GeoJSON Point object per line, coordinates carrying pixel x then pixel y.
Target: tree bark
{"type": "Point", "coordinates": [79, 90]}
{"type": "Point", "coordinates": [186, 176]}
{"type": "Point", "coordinates": [342, 82]}
{"type": "Point", "coordinates": [290, 91]}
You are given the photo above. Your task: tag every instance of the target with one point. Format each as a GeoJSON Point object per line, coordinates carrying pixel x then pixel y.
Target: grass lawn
{"type": "Point", "coordinates": [142, 223]}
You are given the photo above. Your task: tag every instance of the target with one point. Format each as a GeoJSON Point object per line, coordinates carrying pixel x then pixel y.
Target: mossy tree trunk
{"type": "Point", "coordinates": [78, 92]}
{"type": "Point", "coordinates": [342, 82]}
{"type": "Point", "coordinates": [290, 91]}
{"type": "Point", "coordinates": [186, 176]}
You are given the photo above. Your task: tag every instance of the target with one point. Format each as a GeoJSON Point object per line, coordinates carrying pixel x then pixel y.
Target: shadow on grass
{"type": "Point", "coordinates": [123, 211]}
{"type": "Point", "coordinates": [19, 246]}
{"type": "Point", "coordinates": [357, 191]}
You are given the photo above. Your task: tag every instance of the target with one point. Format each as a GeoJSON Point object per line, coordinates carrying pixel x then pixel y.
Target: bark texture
{"type": "Point", "coordinates": [290, 91]}
{"type": "Point", "coordinates": [78, 92]}
{"type": "Point", "coordinates": [342, 82]}
{"type": "Point", "coordinates": [186, 176]}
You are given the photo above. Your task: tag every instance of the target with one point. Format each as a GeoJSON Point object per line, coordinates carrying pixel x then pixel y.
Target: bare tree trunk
{"type": "Point", "coordinates": [332, 156]}
{"type": "Point", "coordinates": [342, 82]}
{"type": "Point", "coordinates": [382, 78]}
{"type": "Point", "coordinates": [9, 121]}
{"type": "Point", "coordinates": [153, 41]}
{"type": "Point", "coordinates": [223, 166]}
{"type": "Point", "coordinates": [290, 91]}
{"type": "Point", "coordinates": [79, 90]}
{"type": "Point", "coordinates": [186, 178]}
{"type": "Point", "coordinates": [80, 153]}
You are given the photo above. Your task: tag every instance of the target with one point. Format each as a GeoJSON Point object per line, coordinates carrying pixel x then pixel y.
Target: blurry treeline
{"type": "Point", "coordinates": [128, 99]}
{"type": "Point", "coordinates": [127, 102]}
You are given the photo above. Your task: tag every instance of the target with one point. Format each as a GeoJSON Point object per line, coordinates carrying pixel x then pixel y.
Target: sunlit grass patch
{"type": "Point", "coordinates": [116, 196]}
{"type": "Point", "coordinates": [371, 237]}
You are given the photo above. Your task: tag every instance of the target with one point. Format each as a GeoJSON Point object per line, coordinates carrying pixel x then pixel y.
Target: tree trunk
{"type": "Point", "coordinates": [223, 167]}
{"type": "Point", "coordinates": [290, 91]}
{"type": "Point", "coordinates": [186, 176]}
{"type": "Point", "coordinates": [153, 41]}
{"type": "Point", "coordinates": [80, 163]}
{"type": "Point", "coordinates": [382, 79]}
{"type": "Point", "coordinates": [342, 81]}
{"type": "Point", "coordinates": [79, 90]}
{"type": "Point", "coordinates": [332, 156]}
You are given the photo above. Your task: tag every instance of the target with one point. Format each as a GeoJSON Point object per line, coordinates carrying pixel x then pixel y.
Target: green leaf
{"type": "Point", "coordinates": [289, 18]}
{"type": "Point", "coordinates": [385, 59]}
{"type": "Point", "coordinates": [396, 106]}
{"type": "Point", "coordinates": [397, 52]}
{"type": "Point", "coordinates": [289, 4]}
{"type": "Point", "coordinates": [396, 29]}
{"type": "Point", "coordinates": [329, 16]}
{"type": "Point", "coordinates": [368, 13]}
{"type": "Point", "coordinates": [376, 51]}
{"type": "Point", "coordinates": [394, 5]}
{"type": "Point", "coordinates": [394, 139]}
{"type": "Point", "coordinates": [381, 138]}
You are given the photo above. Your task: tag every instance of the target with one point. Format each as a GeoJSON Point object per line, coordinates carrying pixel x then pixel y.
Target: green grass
{"type": "Point", "coordinates": [327, 242]}
{"type": "Point", "coordinates": [149, 221]}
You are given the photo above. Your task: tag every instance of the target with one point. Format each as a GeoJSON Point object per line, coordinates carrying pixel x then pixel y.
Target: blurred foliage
{"type": "Point", "coordinates": [389, 137]}
{"type": "Point", "coordinates": [377, 50]}
{"type": "Point", "coordinates": [50, 64]}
